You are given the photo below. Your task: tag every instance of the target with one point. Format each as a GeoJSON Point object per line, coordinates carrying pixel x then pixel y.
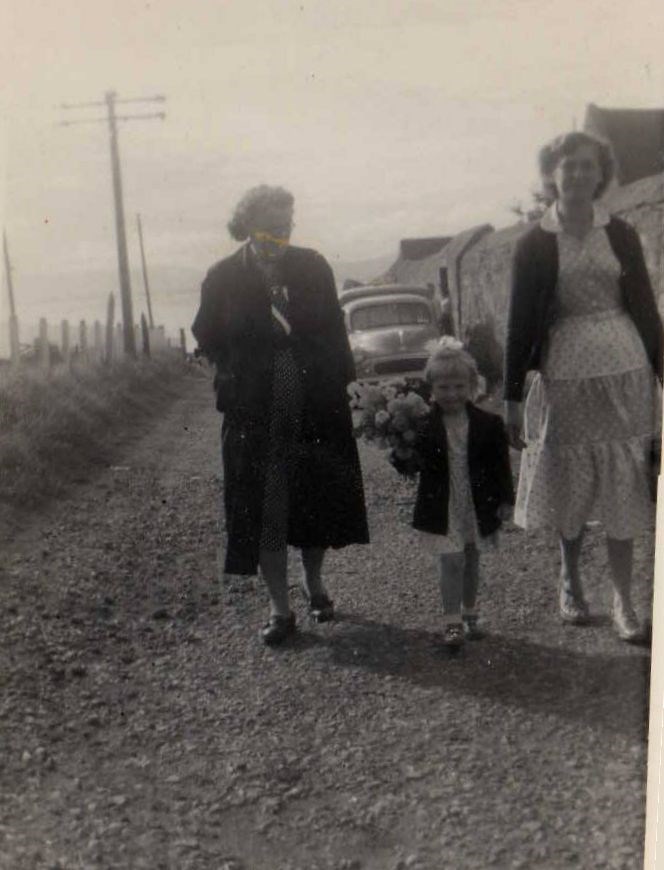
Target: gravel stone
{"type": "Point", "coordinates": [143, 724]}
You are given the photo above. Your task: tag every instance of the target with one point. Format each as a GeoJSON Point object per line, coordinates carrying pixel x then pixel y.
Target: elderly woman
{"type": "Point", "coordinates": [270, 322]}
{"type": "Point", "coordinates": [583, 314]}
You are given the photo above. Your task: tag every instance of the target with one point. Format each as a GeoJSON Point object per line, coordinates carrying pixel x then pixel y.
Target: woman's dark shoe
{"type": "Point", "coordinates": [277, 629]}
{"type": "Point", "coordinates": [471, 627]}
{"type": "Point", "coordinates": [321, 608]}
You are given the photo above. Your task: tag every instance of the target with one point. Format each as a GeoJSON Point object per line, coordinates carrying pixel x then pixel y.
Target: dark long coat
{"type": "Point", "coordinates": [488, 469]}
{"type": "Point", "coordinates": [234, 330]}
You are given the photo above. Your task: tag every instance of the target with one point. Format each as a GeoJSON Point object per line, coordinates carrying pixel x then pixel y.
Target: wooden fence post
{"type": "Point", "coordinates": [145, 333]}
{"type": "Point", "coordinates": [83, 339]}
{"type": "Point", "coordinates": [110, 317]}
{"type": "Point", "coordinates": [119, 341]}
{"type": "Point", "coordinates": [44, 346]}
{"type": "Point", "coordinates": [14, 347]}
{"type": "Point", "coordinates": [183, 343]}
{"type": "Point", "coordinates": [65, 343]}
{"type": "Point", "coordinates": [98, 338]}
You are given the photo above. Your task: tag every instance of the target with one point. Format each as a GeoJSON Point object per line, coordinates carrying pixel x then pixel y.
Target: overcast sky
{"type": "Point", "coordinates": [386, 119]}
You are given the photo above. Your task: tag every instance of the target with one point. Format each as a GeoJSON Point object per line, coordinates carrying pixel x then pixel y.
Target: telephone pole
{"type": "Point", "coordinates": [145, 272]}
{"type": "Point", "coordinates": [110, 101]}
{"type": "Point", "coordinates": [13, 321]}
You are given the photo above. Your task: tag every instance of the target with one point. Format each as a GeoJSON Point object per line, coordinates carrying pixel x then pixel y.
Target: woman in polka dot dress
{"type": "Point", "coordinates": [583, 314]}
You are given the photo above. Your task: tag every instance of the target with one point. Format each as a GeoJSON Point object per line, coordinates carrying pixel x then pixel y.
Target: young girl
{"type": "Point", "coordinates": [465, 487]}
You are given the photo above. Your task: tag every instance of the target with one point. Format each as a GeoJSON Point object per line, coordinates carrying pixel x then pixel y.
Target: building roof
{"type": "Point", "coordinates": [418, 249]}
{"type": "Point", "coordinates": [637, 137]}
{"type": "Point", "coordinates": [645, 192]}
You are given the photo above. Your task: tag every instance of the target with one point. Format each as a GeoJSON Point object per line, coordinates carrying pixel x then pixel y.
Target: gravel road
{"type": "Point", "coordinates": [143, 725]}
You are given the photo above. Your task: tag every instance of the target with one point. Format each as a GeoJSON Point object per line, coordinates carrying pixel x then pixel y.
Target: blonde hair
{"type": "Point", "coordinates": [452, 360]}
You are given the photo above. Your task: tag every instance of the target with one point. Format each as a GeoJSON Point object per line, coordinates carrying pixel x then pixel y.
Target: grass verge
{"type": "Point", "coordinates": [55, 428]}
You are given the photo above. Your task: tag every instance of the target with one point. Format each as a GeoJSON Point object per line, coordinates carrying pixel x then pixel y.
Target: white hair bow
{"type": "Point", "coordinates": [449, 342]}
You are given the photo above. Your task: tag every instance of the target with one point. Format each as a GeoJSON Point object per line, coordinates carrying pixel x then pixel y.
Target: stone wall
{"type": "Point", "coordinates": [642, 204]}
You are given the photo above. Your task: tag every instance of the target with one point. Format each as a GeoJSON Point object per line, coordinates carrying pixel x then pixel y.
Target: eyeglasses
{"type": "Point", "coordinates": [280, 239]}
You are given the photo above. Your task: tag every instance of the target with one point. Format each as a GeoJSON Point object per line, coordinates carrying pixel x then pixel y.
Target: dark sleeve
{"type": "Point", "coordinates": [209, 331]}
{"type": "Point", "coordinates": [207, 323]}
{"type": "Point", "coordinates": [644, 308]}
{"type": "Point", "coordinates": [208, 326]}
{"type": "Point", "coordinates": [503, 466]}
{"type": "Point", "coordinates": [334, 327]}
{"type": "Point", "coordinates": [521, 319]}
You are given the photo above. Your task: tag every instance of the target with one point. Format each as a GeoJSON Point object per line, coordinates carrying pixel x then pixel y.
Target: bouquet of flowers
{"type": "Point", "coordinates": [391, 416]}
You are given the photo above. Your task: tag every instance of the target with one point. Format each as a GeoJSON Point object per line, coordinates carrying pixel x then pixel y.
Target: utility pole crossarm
{"type": "Point", "coordinates": [159, 98]}
{"type": "Point", "coordinates": [82, 105]}
{"type": "Point", "coordinates": [161, 115]}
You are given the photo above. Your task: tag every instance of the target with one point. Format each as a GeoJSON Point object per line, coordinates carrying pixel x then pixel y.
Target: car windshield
{"type": "Point", "coordinates": [386, 314]}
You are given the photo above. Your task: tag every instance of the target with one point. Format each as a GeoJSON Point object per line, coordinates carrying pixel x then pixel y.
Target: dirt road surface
{"type": "Point", "coordinates": [143, 725]}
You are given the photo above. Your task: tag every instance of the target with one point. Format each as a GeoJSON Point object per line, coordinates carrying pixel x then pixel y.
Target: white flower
{"type": "Point", "coordinates": [449, 342]}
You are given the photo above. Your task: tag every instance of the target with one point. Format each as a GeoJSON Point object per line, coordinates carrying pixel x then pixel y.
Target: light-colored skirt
{"type": "Point", "coordinates": [589, 421]}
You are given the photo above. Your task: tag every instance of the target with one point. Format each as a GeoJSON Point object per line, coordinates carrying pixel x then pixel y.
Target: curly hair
{"type": "Point", "coordinates": [452, 360]}
{"type": "Point", "coordinates": [562, 146]}
{"type": "Point", "coordinates": [252, 204]}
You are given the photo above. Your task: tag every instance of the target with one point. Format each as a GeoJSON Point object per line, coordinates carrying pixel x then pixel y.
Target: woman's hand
{"type": "Point", "coordinates": [514, 424]}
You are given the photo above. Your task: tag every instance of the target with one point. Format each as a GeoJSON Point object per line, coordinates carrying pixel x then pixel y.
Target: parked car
{"type": "Point", "coordinates": [391, 328]}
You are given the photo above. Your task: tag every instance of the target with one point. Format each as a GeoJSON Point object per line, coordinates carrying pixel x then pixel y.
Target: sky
{"type": "Point", "coordinates": [386, 120]}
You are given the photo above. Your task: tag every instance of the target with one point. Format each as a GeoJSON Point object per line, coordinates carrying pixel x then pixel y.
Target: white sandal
{"type": "Point", "coordinates": [626, 622]}
{"type": "Point", "coordinates": [573, 609]}
{"type": "Point", "coordinates": [453, 635]}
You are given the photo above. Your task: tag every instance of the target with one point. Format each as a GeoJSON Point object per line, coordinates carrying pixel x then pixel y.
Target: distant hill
{"type": "Point", "coordinates": [84, 295]}
{"type": "Point", "coordinates": [175, 290]}
{"type": "Point", "coordinates": [361, 270]}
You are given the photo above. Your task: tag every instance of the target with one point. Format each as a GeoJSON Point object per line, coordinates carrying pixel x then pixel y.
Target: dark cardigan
{"type": "Point", "coordinates": [532, 300]}
{"type": "Point", "coordinates": [488, 467]}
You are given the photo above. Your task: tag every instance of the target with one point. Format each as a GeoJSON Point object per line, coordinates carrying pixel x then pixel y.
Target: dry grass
{"type": "Point", "coordinates": [55, 428]}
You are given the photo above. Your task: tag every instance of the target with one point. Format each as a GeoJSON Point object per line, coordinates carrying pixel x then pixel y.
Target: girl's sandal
{"type": "Point", "coordinates": [453, 635]}
{"type": "Point", "coordinates": [472, 629]}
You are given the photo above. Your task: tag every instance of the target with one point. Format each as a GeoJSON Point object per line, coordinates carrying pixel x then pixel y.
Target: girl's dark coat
{"type": "Point", "coordinates": [234, 330]}
{"type": "Point", "coordinates": [488, 467]}
{"type": "Point", "coordinates": [532, 300]}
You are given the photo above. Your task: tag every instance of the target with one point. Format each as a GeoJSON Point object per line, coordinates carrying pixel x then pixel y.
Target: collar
{"type": "Point", "coordinates": [550, 220]}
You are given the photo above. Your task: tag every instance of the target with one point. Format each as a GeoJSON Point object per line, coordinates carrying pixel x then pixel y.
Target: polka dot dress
{"type": "Point", "coordinates": [591, 413]}
{"type": "Point", "coordinates": [285, 423]}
